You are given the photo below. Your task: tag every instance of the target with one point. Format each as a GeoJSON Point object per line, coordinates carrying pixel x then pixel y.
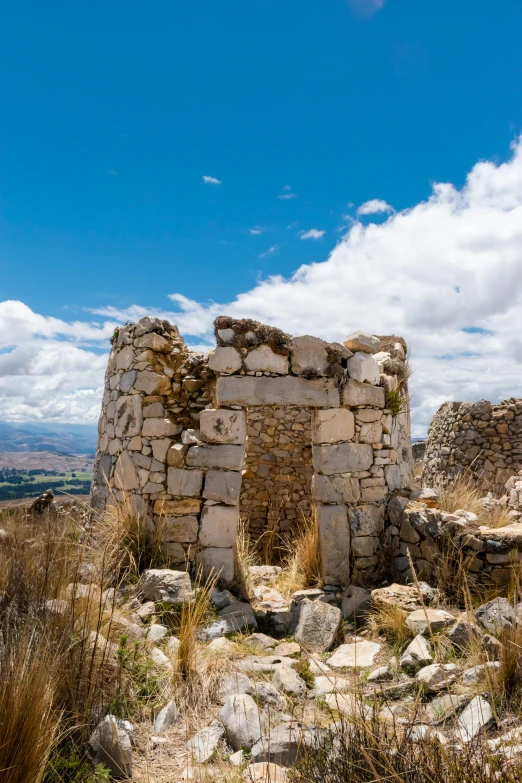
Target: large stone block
{"type": "Point", "coordinates": [363, 367]}
{"type": "Point", "coordinates": [125, 358]}
{"type": "Point", "coordinates": [160, 428]}
{"type": "Point", "coordinates": [335, 489]}
{"type": "Point", "coordinates": [309, 353]}
{"type": "Point", "coordinates": [224, 486]}
{"type": "Point", "coordinates": [365, 546]}
{"type": "Point", "coordinates": [225, 360]}
{"type": "Point", "coordinates": [182, 530]}
{"type": "Point", "coordinates": [332, 425]}
{"type": "Point", "coordinates": [360, 341]}
{"type": "Point", "coordinates": [151, 382]}
{"type": "Point", "coordinates": [186, 483]}
{"type": "Point", "coordinates": [223, 426]}
{"type": "Point", "coordinates": [125, 476]}
{"type": "Point", "coordinates": [315, 624]}
{"type": "Point", "coordinates": [289, 390]}
{"type": "Point", "coordinates": [342, 458]}
{"type": "Point", "coordinates": [371, 432]}
{"type": "Point", "coordinates": [225, 457]}
{"type": "Point", "coordinates": [128, 417]}
{"type": "Point", "coordinates": [366, 520]}
{"type": "Point", "coordinates": [263, 359]}
{"type": "Point", "coordinates": [215, 561]}
{"type": "Point", "coordinates": [153, 341]}
{"type": "Point", "coordinates": [334, 536]}
{"type": "Point", "coordinates": [355, 393]}
{"type": "Point", "coordinates": [177, 507]}
{"type": "Point", "coordinates": [218, 526]}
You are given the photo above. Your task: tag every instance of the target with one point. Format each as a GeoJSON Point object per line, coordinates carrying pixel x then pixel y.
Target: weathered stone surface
{"type": "Point", "coordinates": [260, 641]}
{"type": "Point", "coordinates": [316, 624]}
{"type": "Point", "coordinates": [186, 483]}
{"type": "Point", "coordinates": [111, 746]}
{"type": "Point", "coordinates": [363, 368]}
{"type": "Point", "coordinates": [287, 649]}
{"type": "Point", "coordinates": [288, 390]}
{"type": "Point", "coordinates": [156, 632]}
{"type": "Point", "coordinates": [162, 584]}
{"type": "Point", "coordinates": [224, 486]}
{"type": "Point", "coordinates": [365, 546]}
{"type": "Point", "coordinates": [264, 772]}
{"type": "Point", "coordinates": [125, 476]}
{"type": "Point", "coordinates": [223, 426]}
{"type": "Point", "coordinates": [380, 674]}
{"type": "Point", "coordinates": [173, 553]}
{"type": "Point", "coordinates": [437, 676]}
{"type": "Point", "coordinates": [153, 341]}
{"type": "Point", "coordinates": [332, 425]}
{"type": "Point", "coordinates": [392, 474]}
{"type": "Point", "coordinates": [366, 520]}
{"type": "Point", "coordinates": [417, 654]}
{"type": "Point", "coordinates": [218, 526]}
{"type": "Point", "coordinates": [239, 616]}
{"type": "Point", "coordinates": [309, 353]}
{"type": "Point", "coordinates": [128, 417]}
{"type": "Point", "coordinates": [335, 489]}
{"type": "Point", "coordinates": [330, 684]}
{"type": "Point", "coordinates": [464, 633]}
{"type": "Point", "coordinates": [361, 341]}
{"type": "Point", "coordinates": [235, 684]}
{"type": "Point", "coordinates": [496, 615]}
{"type": "Point", "coordinates": [217, 560]}
{"type": "Point", "coordinates": [159, 448]}
{"type": "Point", "coordinates": [203, 744]}
{"type": "Point", "coordinates": [242, 721]}
{"type": "Point", "coordinates": [125, 358]}
{"type": "Point", "coordinates": [356, 602]}
{"type": "Point", "coordinates": [348, 705]}
{"type": "Point", "coordinates": [152, 383]}
{"type": "Point", "coordinates": [225, 360]}
{"type": "Point", "coordinates": [476, 719]}
{"type": "Point", "coordinates": [358, 655]}
{"type": "Point", "coordinates": [371, 432]}
{"type": "Point", "coordinates": [288, 681]}
{"type": "Point", "coordinates": [263, 359]}
{"type": "Point", "coordinates": [225, 457]}
{"type": "Point", "coordinates": [180, 507]}
{"type": "Point", "coordinates": [334, 536]}
{"type": "Point", "coordinates": [355, 393]}
{"type": "Point", "coordinates": [165, 718]}
{"type": "Point", "coordinates": [160, 428]}
{"type": "Point", "coordinates": [404, 596]}
{"type": "Point", "coordinates": [420, 621]}
{"type": "Point", "coordinates": [342, 458]}
{"type": "Point", "coordinates": [282, 744]}
{"type": "Point", "coordinates": [476, 674]}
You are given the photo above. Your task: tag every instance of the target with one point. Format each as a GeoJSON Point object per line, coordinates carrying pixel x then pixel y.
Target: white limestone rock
{"type": "Point", "coordinates": [225, 360]}
{"type": "Point", "coordinates": [309, 353]}
{"type": "Point", "coordinates": [156, 632]}
{"type": "Point", "coordinates": [342, 458]}
{"type": "Point", "coordinates": [356, 602]}
{"type": "Point", "coordinates": [234, 684]}
{"type": "Point", "coordinates": [181, 530]}
{"type": "Point", "coordinates": [165, 718]}
{"type": "Point", "coordinates": [203, 744]}
{"type": "Point", "coordinates": [223, 486]}
{"type": "Point", "coordinates": [417, 654]}
{"type": "Point", "coordinates": [358, 655]}
{"type": "Point", "coordinates": [227, 457]}
{"type": "Point", "coordinates": [125, 475]}
{"type": "Point", "coordinates": [218, 526]}
{"type": "Point", "coordinates": [111, 746]}
{"type": "Point", "coordinates": [159, 428]}
{"type": "Point", "coordinates": [421, 620]}
{"type": "Point", "coordinates": [242, 720]}
{"type": "Point", "coordinates": [476, 719]}
{"type": "Point", "coordinates": [437, 676]}
{"type": "Point", "coordinates": [128, 417]}
{"type": "Point", "coordinates": [332, 425]}
{"type": "Point", "coordinates": [356, 393]}
{"type": "Point", "coordinates": [282, 744]}
{"type": "Point", "coordinates": [496, 615]}
{"type": "Point", "coordinates": [162, 584]}
{"type": "Point", "coordinates": [288, 390]}
{"type": "Point", "coordinates": [263, 359]}
{"type": "Point", "coordinates": [363, 368]}
{"type": "Point", "coordinates": [334, 535]}
{"type": "Point", "coordinates": [185, 483]}
{"type": "Point", "coordinates": [361, 341]}
{"type": "Point", "coordinates": [218, 561]}
{"type": "Point", "coordinates": [288, 681]}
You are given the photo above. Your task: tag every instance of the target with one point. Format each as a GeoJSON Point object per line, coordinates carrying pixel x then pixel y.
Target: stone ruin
{"type": "Point", "coordinates": [268, 427]}
{"type": "Point", "coordinates": [478, 439]}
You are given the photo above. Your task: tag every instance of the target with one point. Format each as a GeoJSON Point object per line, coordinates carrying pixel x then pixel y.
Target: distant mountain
{"type": "Point", "coordinates": [48, 436]}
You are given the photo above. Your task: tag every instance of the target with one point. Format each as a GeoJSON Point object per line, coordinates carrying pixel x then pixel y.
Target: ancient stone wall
{"type": "Point", "coordinates": [481, 439]}
{"type": "Point", "coordinates": [277, 480]}
{"type": "Point", "coordinates": [173, 432]}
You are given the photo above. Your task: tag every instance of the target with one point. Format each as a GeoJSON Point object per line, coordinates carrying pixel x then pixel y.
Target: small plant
{"type": "Point", "coordinates": [304, 671]}
{"type": "Point", "coordinates": [302, 566]}
{"type": "Point", "coordinates": [397, 398]}
{"type": "Point", "coordinates": [390, 621]}
{"type": "Point", "coordinates": [101, 774]}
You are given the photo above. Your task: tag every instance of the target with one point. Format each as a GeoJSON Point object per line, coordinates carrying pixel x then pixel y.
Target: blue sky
{"type": "Point", "coordinates": [113, 113]}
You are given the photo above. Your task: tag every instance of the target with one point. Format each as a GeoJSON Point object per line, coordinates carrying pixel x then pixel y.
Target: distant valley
{"type": "Point", "coordinates": [48, 436]}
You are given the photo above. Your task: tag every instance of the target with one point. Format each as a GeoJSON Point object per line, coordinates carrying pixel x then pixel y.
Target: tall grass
{"type": "Point", "coordinates": [465, 492]}
{"type": "Point", "coordinates": [302, 564]}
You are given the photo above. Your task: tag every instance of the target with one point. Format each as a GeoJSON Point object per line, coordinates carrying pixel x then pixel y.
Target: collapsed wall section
{"type": "Point", "coordinates": [480, 439]}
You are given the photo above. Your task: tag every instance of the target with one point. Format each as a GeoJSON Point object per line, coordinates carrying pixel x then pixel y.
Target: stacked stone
{"type": "Point", "coordinates": [186, 480]}
{"type": "Point", "coordinates": [278, 469]}
{"type": "Point", "coordinates": [423, 533]}
{"type": "Point", "coordinates": [480, 438]}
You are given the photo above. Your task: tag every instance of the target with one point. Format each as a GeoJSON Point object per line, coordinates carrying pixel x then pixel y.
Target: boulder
{"type": "Point", "coordinates": [239, 616]}
{"type": "Point", "coordinates": [464, 633]}
{"type": "Point", "coordinates": [404, 596]}
{"type": "Point", "coordinates": [356, 602]}
{"type": "Point", "coordinates": [283, 744]}
{"type": "Point", "coordinates": [260, 641]}
{"type": "Point", "coordinates": [263, 359]}
{"type": "Point", "coordinates": [223, 426]}
{"type": "Point", "coordinates": [226, 360]}
{"type": "Point", "coordinates": [361, 341]}
{"type": "Point", "coordinates": [324, 684]}
{"type": "Point", "coordinates": [478, 673]}
{"type": "Point", "coordinates": [363, 368]}
{"type": "Point", "coordinates": [288, 681]}
{"type": "Point", "coordinates": [235, 684]}
{"type": "Point", "coordinates": [417, 654]}
{"type": "Point", "coordinates": [316, 624]}
{"type": "Point", "coordinates": [309, 353]}
{"type": "Point", "coordinates": [156, 632]}
{"type": "Point", "coordinates": [380, 674]}
{"type": "Point", "coordinates": [165, 718]}
{"type": "Point", "coordinates": [426, 621]}
{"type": "Point", "coordinates": [264, 772]}
{"type": "Point", "coordinates": [242, 721]}
{"type": "Point", "coordinates": [111, 746]}
{"type": "Point", "coordinates": [162, 584]}
{"type": "Point", "coordinates": [203, 744]}
{"type": "Point", "coordinates": [221, 598]}
{"type": "Point", "coordinates": [496, 615]}
{"type": "Point", "coordinates": [437, 676]}
{"type": "Point", "coordinates": [476, 719]}
{"type": "Point", "coordinates": [358, 655]}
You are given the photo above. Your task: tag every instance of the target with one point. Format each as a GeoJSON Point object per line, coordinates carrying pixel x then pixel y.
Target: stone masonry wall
{"type": "Point", "coordinates": [173, 432]}
{"type": "Point", "coordinates": [478, 438]}
{"type": "Point", "coordinates": [277, 479]}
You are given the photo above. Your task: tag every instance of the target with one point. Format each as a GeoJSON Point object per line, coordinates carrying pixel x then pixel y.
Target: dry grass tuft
{"type": "Point", "coordinates": [465, 493]}
{"type": "Point", "coordinates": [192, 618]}
{"type": "Point", "coordinates": [245, 556]}
{"type": "Point", "coordinates": [302, 564]}
{"type": "Point", "coordinates": [390, 622]}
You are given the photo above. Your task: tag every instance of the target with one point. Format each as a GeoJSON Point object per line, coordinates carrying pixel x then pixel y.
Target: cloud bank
{"type": "Point", "coordinates": [446, 274]}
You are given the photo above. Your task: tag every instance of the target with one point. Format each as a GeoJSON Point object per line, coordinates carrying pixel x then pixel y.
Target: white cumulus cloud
{"type": "Point", "coordinates": [211, 180]}
{"type": "Point", "coordinates": [373, 207]}
{"type": "Point", "coordinates": [313, 233]}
